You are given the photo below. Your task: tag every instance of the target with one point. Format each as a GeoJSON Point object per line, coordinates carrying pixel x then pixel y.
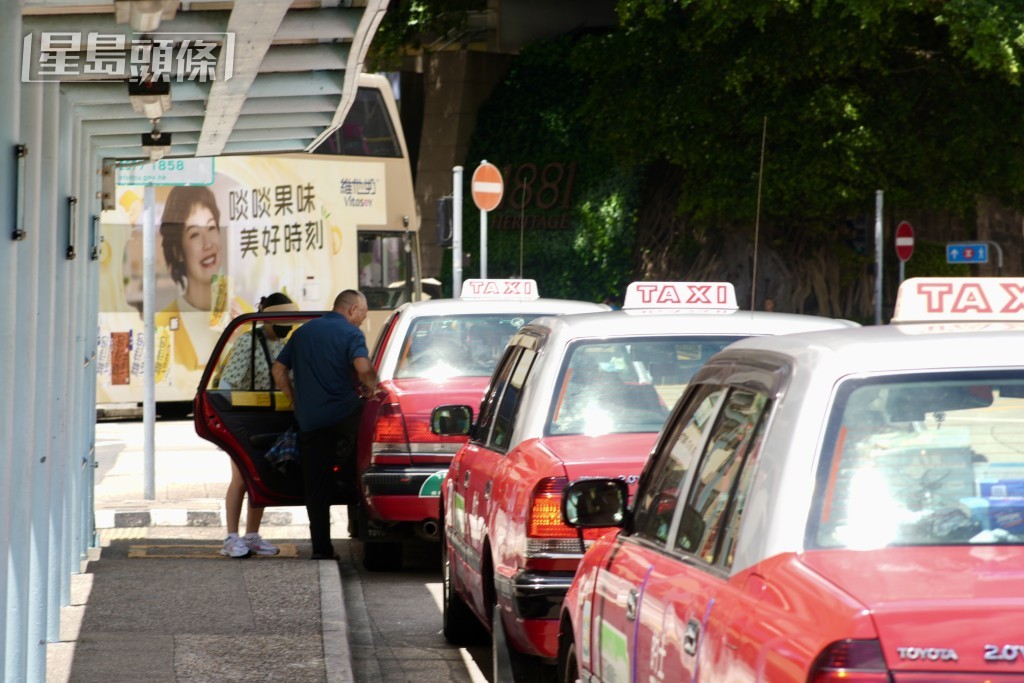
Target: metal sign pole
{"type": "Point", "coordinates": [148, 337]}
{"type": "Point", "coordinates": [878, 257]}
{"type": "Point", "coordinates": [456, 231]}
{"type": "Point", "coordinates": [483, 244]}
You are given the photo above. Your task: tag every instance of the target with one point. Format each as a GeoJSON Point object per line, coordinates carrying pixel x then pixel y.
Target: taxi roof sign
{"type": "Point", "coordinates": [703, 296]}
{"type": "Point", "coordinates": [960, 299]}
{"type": "Point", "coordinates": [478, 288]}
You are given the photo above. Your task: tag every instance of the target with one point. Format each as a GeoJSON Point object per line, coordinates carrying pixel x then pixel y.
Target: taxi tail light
{"type": "Point", "coordinates": [850, 661]}
{"type": "Point", "coordinates": [546, 513]}
{"type": "Point", "coordinates": [389, 433]}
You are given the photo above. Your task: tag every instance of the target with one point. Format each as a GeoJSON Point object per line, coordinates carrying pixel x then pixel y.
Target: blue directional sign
{"type": "Point", "coordinates": [967, 252]}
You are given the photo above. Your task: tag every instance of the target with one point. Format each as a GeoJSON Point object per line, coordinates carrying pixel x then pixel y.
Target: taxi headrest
{"type": "Point", "coordinates": [692, 296]}
{"type": "Point", "coordinates": [960, 299]}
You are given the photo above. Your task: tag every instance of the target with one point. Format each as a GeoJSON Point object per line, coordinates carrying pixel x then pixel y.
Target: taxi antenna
{"type": "Point", "coordinates": [522, 228]}
{"type": "Point", "coordinates": [757, 215]}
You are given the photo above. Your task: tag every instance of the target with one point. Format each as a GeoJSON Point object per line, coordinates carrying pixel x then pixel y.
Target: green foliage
{"type": "Point", "coordinates": [917, 98]}
{"type": "Point", "coordinates": [414, 25]}
{"type": "Point", "coordinates": [534, 118]}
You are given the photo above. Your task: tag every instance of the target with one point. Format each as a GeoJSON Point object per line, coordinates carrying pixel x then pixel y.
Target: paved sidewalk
{"type": "Point", "coordinates": [157, 602]}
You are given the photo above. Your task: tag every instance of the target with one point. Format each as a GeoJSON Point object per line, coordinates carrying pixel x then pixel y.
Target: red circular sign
{"type": "Point", "coordinates": [904, 241]}
{"type": "Point", "coordinates": [487, 186]}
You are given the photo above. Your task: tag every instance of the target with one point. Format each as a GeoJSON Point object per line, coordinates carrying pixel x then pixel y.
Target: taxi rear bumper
{"type": "Point", "coordinates": [402, 494]}
{"type": "Point", "coordinates": [536, 595]}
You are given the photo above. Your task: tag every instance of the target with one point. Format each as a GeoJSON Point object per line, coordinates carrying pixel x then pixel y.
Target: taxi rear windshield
{"type": "Point", "coordinates": [626, 385]}
{"type": "Point", "coordinates": [439, 347]}
{"type": "Point", "coordinates": [931, 460]}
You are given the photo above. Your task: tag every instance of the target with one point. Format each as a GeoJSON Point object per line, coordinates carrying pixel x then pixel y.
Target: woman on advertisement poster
{"type": "Point", "coordinates": [192, 245]}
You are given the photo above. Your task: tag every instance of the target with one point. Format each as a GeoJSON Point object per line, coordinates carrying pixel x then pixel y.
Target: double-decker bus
{"type": "Point", "coordinates": [307, 225]}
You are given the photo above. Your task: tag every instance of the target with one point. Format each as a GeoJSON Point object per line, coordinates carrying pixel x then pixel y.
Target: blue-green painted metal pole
{"type": "Point", "coordinates": [42, 455]}
{"type": "Point", "coordinates": [26, 338]}
{"type": "Point", "coordinates": [10, 135]}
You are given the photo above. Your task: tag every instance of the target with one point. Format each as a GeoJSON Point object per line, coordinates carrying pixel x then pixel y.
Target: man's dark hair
{"type": "Point", "coordinates": [349, 297]}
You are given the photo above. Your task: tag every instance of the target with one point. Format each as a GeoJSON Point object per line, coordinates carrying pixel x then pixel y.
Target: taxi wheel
{"type": "Point", "coordinates": [568, 667]}
{"type": "Point", "coordinates": [460, 625]}
{"type": "Point", "coordinates": [382, 556]}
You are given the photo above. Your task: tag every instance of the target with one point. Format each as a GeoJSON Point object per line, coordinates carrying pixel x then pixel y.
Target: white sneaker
{"type": "Point", "coordinates": [258, 545]}
{"type": "Point", "coordinates": [235, 547]}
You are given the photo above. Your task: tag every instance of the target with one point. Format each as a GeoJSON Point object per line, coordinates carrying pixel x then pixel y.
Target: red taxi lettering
{"type": "Point", "coordinates": [971, 298]}
{"type": "Point", "coordinates": [1016, 303]}
{"type": "Point", "coordinates": [658, 294]}
{"type": "Point", "coordinates": [934, 293]}
{"type": "Point", "coordinates": [483, 287]}
{"type": "Point", "coordinates": [701, 294]}
{"type": "Point", "coordinates": [519, 287]}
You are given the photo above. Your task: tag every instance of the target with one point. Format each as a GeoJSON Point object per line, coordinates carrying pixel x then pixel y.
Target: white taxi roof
{"type": "Point", "coordinates": [557, 333]}
{"type": "Point", "coordinates": [628, 323]}
{"type": "Point", "coordinates": [940, 323]}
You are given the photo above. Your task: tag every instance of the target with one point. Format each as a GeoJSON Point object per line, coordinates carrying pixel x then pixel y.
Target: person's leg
{"type": "Point", "coordinates": [316, 449]}
{"type": "Point", "coordinates": [234, 546]}
{"type": "Point", "coordinates": [233, 499]}
{"type": "Point", "coordinates": [253, 518]}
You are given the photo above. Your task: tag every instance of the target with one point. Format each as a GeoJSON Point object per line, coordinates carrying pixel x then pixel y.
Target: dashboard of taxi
{"type": "Point", "coordinates": [923, 459]}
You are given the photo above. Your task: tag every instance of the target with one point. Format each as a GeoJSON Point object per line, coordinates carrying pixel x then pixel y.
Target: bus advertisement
{"type": "Point", "coordinates": [306, 225]}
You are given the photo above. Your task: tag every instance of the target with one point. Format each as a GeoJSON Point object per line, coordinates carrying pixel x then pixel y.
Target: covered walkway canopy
{"type": "Point", "coordinates": [84, 83]}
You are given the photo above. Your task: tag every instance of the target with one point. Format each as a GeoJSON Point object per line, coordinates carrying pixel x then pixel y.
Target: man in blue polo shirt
{"type": "Point", "coordinates": [328, 360]}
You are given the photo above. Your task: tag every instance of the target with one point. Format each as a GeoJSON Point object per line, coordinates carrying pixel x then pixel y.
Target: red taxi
{"type": "Point", "coordinates": [830, 506]}
{"type": "Point", "coordinates": [573, 397]}
{"type": "Point", "coordinates": [428, 352]}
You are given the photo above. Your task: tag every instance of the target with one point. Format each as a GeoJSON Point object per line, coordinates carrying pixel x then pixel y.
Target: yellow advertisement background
{"type": "Point", "coordinates": [310, 277]}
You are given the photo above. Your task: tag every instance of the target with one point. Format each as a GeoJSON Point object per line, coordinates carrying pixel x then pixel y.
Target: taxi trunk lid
{"type": "Point", "coordinates": [416, 398]}
{"type": "Point", "coordinates": [954, 609]}
{"type": "Point", "coordinates": [615, 456]}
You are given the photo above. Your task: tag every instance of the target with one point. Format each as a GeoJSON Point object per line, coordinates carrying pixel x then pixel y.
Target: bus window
{"type": "Point", "coordinates": [367, 130]}
{"type": "Point", "coordinates": [384, 266]}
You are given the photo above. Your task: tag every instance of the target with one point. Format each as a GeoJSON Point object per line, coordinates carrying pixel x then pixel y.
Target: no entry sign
{"type": "Point", "coordinates": [487, 186]}
{"type": "Point", "coordinates": [904, 241]}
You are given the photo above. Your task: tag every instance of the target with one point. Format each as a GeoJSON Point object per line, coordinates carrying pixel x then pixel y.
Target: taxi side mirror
{"type": "Point", "coordinates": [592, 503]}
{"type": "Point", "coordinates": [451, 420]}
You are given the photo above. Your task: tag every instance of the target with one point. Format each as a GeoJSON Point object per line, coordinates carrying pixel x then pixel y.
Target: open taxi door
{"type": "Point", "coordinates": [245, 415]}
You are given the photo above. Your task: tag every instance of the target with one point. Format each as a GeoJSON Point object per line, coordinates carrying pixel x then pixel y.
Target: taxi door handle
{"type": "Point", "coordinates": [631, 600]}
{"type": "Point", "coordinates": [487, 490]}
{"type": "Point", "coordinates": [690, 637]}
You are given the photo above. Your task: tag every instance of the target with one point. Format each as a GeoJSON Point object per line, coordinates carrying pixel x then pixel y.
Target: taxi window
{"type": "Point", "coordinates": [933, 459]}
{"type": "Point", "coordinates": [489, 404]}
{"type": "Point", "coordinates": [456, 346]}
{"type": "Point", "coordinates": [243, 365]}
{"type": "Point", "coordinates": [657, 501]}
{"type": "Point", "coordinates": [627, 385]}
{"type": "Point", "coordinates": [508, 408]}
{"type": "Point", "coordinates": [712, 498]}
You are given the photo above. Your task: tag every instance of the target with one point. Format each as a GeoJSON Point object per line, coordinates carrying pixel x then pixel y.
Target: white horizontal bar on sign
{"type": "Point", "coordinates": [491, 188]}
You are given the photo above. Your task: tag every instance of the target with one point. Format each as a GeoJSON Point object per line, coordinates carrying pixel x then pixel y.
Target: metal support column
{"type": "Point", "coordinates": [42, 455]}
{"type": "Point", "coordinates": [26, 329]}
{"type": "Point", "coordinates": [10, 135]}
